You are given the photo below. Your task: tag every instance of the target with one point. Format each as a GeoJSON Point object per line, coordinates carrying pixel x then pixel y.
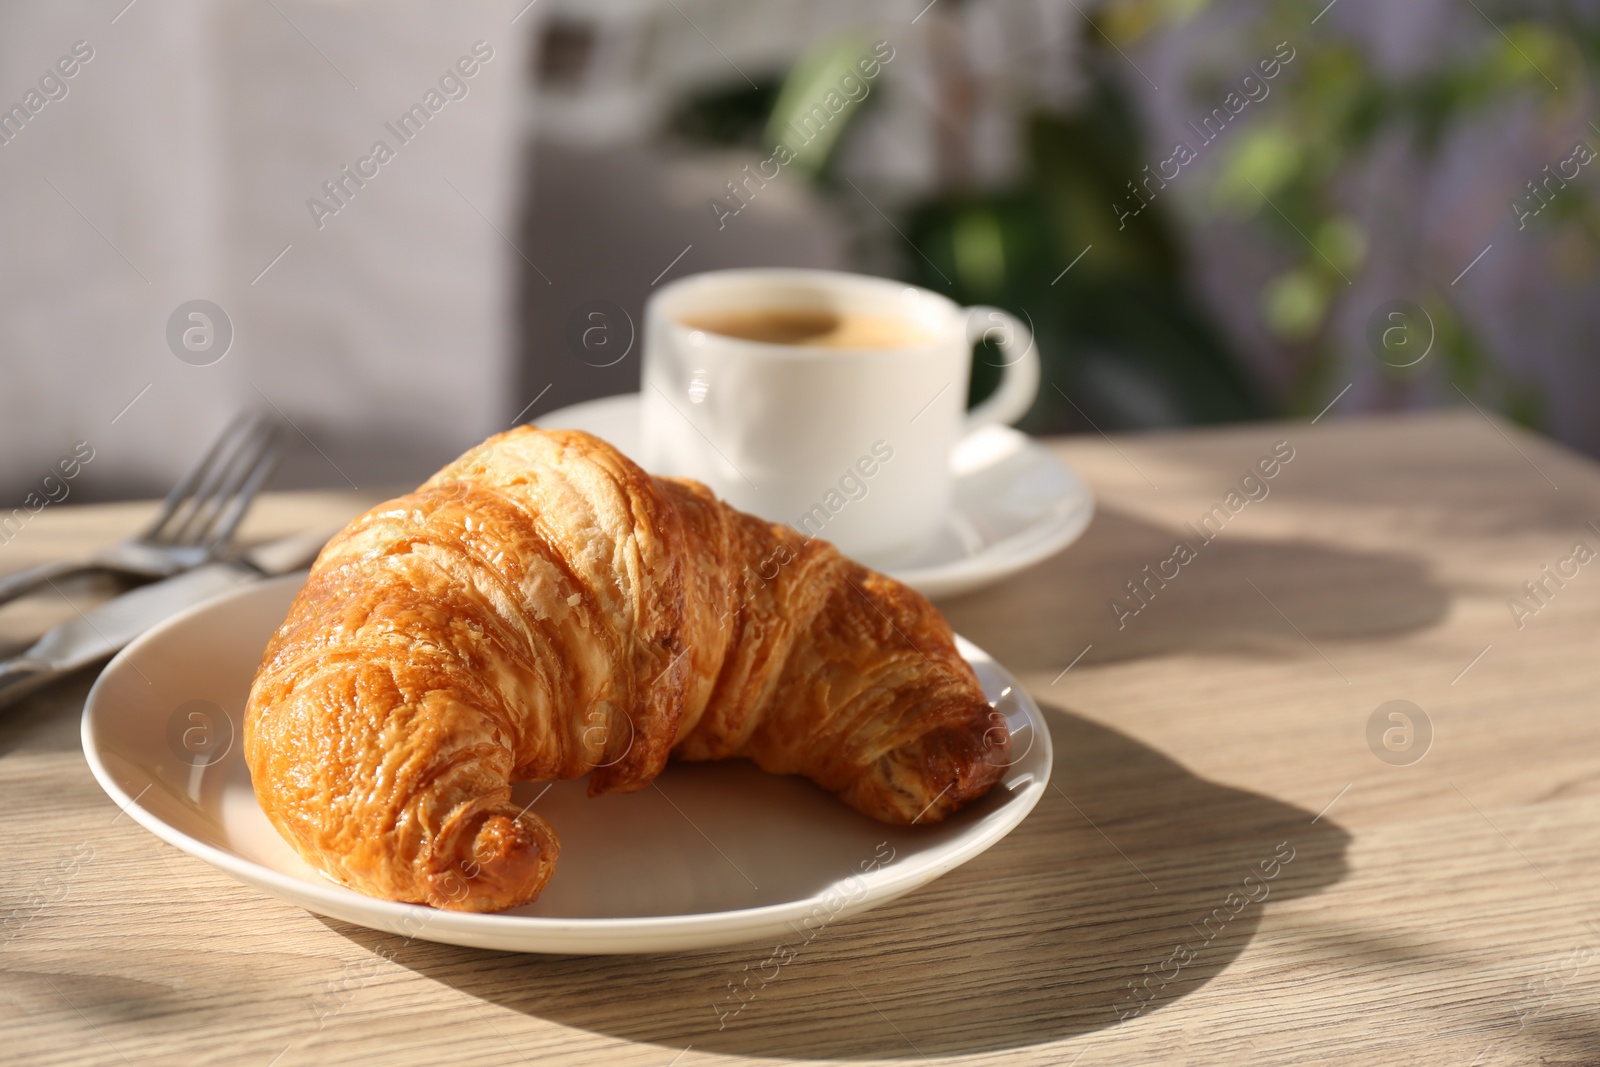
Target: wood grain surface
{"type": "Point", "coordinates": [1225, 872]}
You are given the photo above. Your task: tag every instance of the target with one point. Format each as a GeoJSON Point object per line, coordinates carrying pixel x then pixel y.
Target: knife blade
{"type": "Point", "coordinates": [106, 628]}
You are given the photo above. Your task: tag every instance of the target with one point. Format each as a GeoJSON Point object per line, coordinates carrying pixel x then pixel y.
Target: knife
{"type": "Point", "coordinates": [102, 630]}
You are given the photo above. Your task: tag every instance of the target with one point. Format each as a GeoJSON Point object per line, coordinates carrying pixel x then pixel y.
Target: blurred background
{"type": "Point", "coordinates": [1210, 211]}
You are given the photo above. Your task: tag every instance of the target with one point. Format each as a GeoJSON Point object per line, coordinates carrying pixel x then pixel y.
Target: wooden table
{"type": "Point", "coordinates": [1438, 910]}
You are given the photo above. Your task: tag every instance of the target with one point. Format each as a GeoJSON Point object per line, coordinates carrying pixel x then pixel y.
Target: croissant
{"type": "Point", "coordinates": [543, 609]}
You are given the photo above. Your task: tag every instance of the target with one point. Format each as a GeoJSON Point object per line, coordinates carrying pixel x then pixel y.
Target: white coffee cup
{"type": "Point", "coordinates": [848, 444]}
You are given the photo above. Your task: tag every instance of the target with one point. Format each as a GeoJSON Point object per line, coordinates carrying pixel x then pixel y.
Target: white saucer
{"type": "Point", "coordinates": [1015, 502]}
{"type": "Point", "coordinates": [720, 853]}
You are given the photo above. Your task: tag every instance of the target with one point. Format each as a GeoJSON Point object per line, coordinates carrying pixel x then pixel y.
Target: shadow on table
{"type": "Point", "coordinates": [1064, 930]}
{"type": "Point", "coordinates": [48, 720]}
{"type": "Point", "coordinates": [1040, 619]}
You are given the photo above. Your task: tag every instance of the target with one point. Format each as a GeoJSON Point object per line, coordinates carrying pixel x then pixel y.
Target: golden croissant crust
{"type": "Point", "coordinates": [543, 609]}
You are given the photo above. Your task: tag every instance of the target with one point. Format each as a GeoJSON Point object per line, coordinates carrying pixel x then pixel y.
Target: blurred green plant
{"type": "Point", "coordinates": [819, 71]}
{"type": "Point", "coordinates": [1341, 106]}
{"type": "Point", "coordinates": [1125, 341]}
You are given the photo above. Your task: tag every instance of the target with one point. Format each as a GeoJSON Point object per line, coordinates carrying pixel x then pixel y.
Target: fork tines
{"type": "Point", "coordinates": [206, 505]}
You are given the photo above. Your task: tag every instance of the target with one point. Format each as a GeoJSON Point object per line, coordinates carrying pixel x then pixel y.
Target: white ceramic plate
{"type": "Point", "coordinates": [715, 854]}
{"type": "Point", "coordinates": [1015, 502]}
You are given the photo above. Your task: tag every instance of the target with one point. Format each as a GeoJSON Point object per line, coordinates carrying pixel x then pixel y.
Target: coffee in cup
{"type": "Point", "coordinates": [813, 327]}
{"type": "Point", "coordinates": [825, 400]}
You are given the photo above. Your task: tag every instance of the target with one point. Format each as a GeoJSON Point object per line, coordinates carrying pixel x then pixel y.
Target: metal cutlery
{"type": "Point", "coordinates": [108, 627]}
{"type": "Point", "coordinates": [196, 519]}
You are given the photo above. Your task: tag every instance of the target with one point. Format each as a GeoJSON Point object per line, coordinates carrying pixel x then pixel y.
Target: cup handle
{"type": "Point", "coordinates": [1019, 381]}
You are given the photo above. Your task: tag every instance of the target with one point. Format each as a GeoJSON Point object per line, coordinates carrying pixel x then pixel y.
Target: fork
{"type": "Point", "coordinates": [195, 521]}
